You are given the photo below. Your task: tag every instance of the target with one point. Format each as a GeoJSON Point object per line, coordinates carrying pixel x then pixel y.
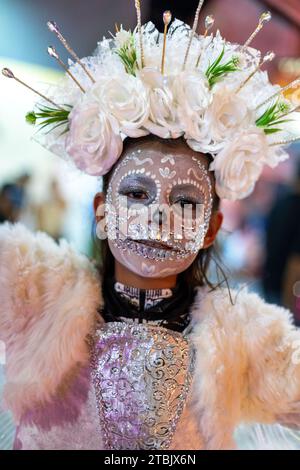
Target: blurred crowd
{"type": "Point", "coordinates": [47, 216]}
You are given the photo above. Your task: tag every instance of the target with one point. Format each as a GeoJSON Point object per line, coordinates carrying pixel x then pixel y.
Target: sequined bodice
{"type": "Point", "coordinates": [141, 375]}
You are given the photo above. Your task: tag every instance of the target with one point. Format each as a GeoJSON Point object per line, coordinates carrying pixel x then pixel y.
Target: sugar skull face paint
{"type": "Point", "coordinates": [161, 196]}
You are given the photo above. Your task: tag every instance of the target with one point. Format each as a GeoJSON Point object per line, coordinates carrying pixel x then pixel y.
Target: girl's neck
{"type": "Point", "coordinates": [123, 275]}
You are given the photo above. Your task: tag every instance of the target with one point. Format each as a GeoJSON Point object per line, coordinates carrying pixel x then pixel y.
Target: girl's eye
{"type": "Point", "coordinates": [137, 195]}
{"type": "Point", "coordinates": [185, 202]}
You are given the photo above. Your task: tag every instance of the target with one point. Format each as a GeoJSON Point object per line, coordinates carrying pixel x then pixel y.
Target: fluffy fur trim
{"type": "Point", "coordinates": [247, 368]}
{"type": "Point", "coordinates": [49, 296]}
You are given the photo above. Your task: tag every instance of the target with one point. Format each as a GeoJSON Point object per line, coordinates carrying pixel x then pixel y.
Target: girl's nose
{"type": "Point", "coordinates": [160, 216]}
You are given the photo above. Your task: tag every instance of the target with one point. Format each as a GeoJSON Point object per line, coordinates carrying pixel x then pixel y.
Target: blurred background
{"type": "Point", "coordinates": [260, 239]}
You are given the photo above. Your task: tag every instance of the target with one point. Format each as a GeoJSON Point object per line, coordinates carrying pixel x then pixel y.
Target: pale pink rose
{"type": "Point", "coordinates": [239, 165]}
{"type": "Point", "coordinates": [227, 115]}
{"type": "Point", "coordinates": [192, 97]}
{"type": "Point", "coordinates": [93, 142]}
{"type": "Point", "coordinates": [125, 98]}
{"type": "Point", "coordinates": [163, 120]}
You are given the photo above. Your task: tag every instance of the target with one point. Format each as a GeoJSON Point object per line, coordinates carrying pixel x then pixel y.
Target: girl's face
{"type": "Point", "coordinates": [159, 203]}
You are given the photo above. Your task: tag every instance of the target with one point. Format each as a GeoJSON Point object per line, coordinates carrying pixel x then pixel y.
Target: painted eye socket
{"type": "Point", "coordinates": [185, 208]}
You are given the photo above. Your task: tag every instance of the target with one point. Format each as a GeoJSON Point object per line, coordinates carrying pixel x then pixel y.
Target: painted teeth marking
{"type": "Point", "coordinates": [149, 252]}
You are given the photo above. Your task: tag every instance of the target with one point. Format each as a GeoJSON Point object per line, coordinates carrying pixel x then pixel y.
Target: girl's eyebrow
{"type": "Point", "coordinates": [190, 189]}
{"type": "Point", "coordinates": [137, 178]}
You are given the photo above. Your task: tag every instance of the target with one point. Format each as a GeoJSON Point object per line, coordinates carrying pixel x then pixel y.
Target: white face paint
{"type": "Point", "coordinates": [155, 241]}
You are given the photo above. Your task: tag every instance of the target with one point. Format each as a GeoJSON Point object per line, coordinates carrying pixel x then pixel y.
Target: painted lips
{"type": "Point", "coordinates": [151, 249]}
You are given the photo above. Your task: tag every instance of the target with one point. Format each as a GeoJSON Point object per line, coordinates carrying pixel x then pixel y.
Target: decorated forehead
{"type": "Point", "coordinates": [162, 169]}
{"type": "Point", "coordinates": [147, 159]}
{"type": "Point", "coordinates": [214, 94]}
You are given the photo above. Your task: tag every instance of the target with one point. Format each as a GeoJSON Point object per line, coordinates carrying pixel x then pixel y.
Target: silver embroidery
{"type": "Point", "coordinates": [142, 375]}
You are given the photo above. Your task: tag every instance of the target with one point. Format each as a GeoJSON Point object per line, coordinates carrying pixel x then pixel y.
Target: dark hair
{"type": "Point", "coordinates": [197, 273]}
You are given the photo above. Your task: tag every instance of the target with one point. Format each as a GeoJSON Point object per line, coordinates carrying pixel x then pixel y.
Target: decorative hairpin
{"type": "Point", "coordinates": [139, 27]}
{"type": "Point", "coordinates": [192, 34]}
{"type": "Point", "coordinates": [209, 22]}
{"type": "Point", "coordinates": [53, 27]}
{"type": "Point", "coordinates": [264, 18]}
{"type": "Point", "coordinates": [52, 52]}
{"type": "Point", "coordinates": [289, 86]}
{"type": "Point", "coordinates": [167, 17]}
{"type": "Point", "coordinates": [267, 58]}
{"type": "Point", "coordinates": [9, 74]}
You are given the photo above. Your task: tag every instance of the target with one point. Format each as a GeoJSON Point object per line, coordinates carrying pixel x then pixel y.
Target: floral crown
{"type": "Point", "coordinates": [179, 83]}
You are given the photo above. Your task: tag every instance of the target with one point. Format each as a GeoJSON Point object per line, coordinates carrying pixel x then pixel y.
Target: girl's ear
{"type": "Point", "coordinates": [214, 226]}
{"type": "Point", "coordinates": [99, 201]}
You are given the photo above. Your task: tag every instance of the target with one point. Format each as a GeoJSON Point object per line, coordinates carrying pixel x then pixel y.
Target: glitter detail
{"type": "Point", "coordinates": [142, 376]}
{"type": "Point", "coordinates": [209, 22]}
{"type": "Point", "coordinates": [149, 252]}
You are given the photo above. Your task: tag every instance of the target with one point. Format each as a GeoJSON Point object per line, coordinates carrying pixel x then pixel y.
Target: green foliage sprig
{"type": "Point", "coordinates": [128, 55]}
{"type": "Point", "coordinates": [47, 116]}
{"type": "Point", "coordinates": [272, 118]}
{"type": "Point", "coordinates": [216, 70]}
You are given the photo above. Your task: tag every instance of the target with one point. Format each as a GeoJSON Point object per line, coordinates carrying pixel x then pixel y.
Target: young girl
{"type": "Point", "coordinates": [146, 353]}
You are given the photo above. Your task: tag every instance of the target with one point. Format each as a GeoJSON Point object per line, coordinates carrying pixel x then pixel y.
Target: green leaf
{"type": "Point", "coordinates": [216, 62]}
{"type": "Point", "coordinates": [31, 118]}
{"type": "Point", "coordinates": [280, 122]}
{"type": "Point", "coordinates": [47, 116]}
{"type": "Point", "coordinates": [217, 70]}
{"type": "Point", "coordinates": [271, 130]}
{"type": "Point", "coordinates": [272, 117]}
{"type": "Point", "coordinates": [127, 54]}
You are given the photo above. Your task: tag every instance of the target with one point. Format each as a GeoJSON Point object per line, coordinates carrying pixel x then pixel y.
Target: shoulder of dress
{"type": "Point", "coordinates": [238, 308]}
{"type": "Point", "coordinates": [21, 248]}
{"type": "Point", "coordinates": [232, 330]}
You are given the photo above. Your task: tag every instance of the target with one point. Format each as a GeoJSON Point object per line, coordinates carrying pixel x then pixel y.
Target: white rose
{"type": "Point", "coordinates": [163, 119]}
{"type": "Point", "coordinates": [225, 117]}
{"type": "Point", "coordinates": [192, 96]}
{"type": "Point", "coordinates": [126, 99]}
{"type": "Point", "coordinates": [93, 142]}
{"type": "Point", "coordinates": [239, 165]}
